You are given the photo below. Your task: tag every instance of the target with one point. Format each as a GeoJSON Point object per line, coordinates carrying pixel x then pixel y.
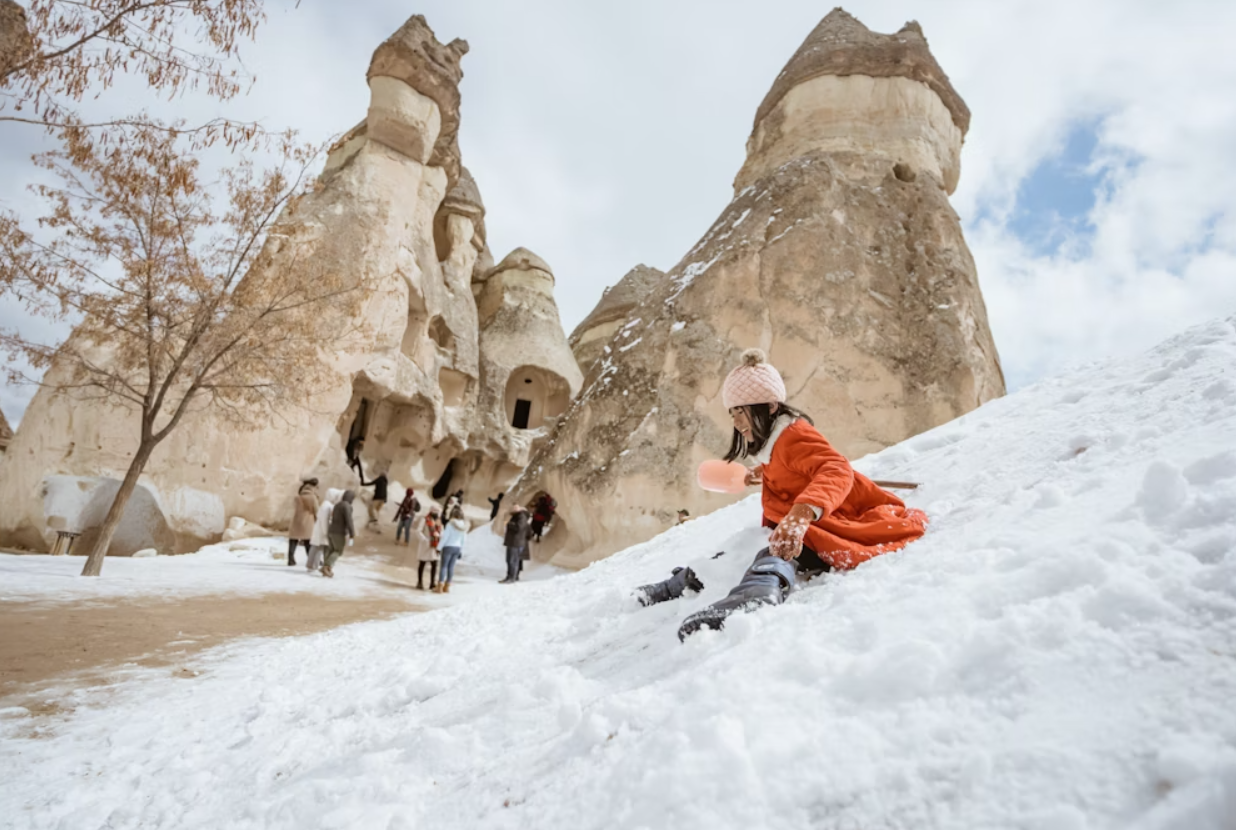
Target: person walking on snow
{"type": "Point", "coordinates": [404, 516]}
{"type": "Point", "coordinates": [518, 529]}
{"type": "Point", "coordinates": [824, 515]}
{"type": "Point", "coordinates": [379, 496]}
{"type": "Point", "coordinates": [428, 554]}
{"type": "Point", "coordinates": [341, 533]}
{"type": "Point", "coordinates": [304, 510]}
{"type": "Point", "coordinates": [542, 514]}
{"type": "Point", "coordinates": [319, 541]}
{"type": "Point", "coordinates": [453, 536]}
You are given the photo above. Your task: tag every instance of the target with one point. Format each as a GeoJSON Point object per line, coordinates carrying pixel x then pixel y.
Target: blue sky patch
{"type": "Point", "coordinates": [1054, 201]}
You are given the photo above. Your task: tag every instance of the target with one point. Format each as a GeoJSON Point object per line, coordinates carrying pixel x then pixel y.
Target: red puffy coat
{"type": "Point", "coordinates": [859, 521]}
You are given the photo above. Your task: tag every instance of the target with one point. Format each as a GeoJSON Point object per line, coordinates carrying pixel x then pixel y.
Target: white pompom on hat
{"type": "Point", "coordinates": [755, 380]}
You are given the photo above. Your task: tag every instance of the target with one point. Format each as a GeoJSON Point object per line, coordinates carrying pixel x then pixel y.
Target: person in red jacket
{"type": "Point", "coordinates": [824, 514]}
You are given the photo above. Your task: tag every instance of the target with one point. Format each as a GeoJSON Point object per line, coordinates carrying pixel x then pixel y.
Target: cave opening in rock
{"type": "Point", "coordinates": [535, 395]}
{"type": "Point", "coordinates": [360, 423]}
{"type": "Point", "coordinates": [522, 409]}
{"type": "Point", "coordinates": [440, 333]}
{"type": "Point", "coordinates": [454, 386]}
{"type": "Point", "coordinates": [442, 487]}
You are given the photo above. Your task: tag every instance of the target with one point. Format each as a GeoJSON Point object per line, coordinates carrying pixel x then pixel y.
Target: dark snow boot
{"type": "Point", "coordinates": [768, 581]}
{"type": "Point", "coordinates": [672, 588]}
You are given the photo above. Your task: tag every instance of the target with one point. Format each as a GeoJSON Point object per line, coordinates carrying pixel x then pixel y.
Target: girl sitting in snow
{"type": "Point", "coordinates": [824, 515]}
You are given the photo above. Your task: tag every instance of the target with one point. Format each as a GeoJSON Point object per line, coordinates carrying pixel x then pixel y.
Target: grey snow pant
{"type": "Point", "coordinates": [514, 563]}
{"type": "Point", "coordinates": [337, 543]}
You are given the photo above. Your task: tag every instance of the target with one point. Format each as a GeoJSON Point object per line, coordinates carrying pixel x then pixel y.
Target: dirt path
{"type": "Point", "coordinates": [98, 642]}
{"type": "Point", "coordinates": [88, 642]}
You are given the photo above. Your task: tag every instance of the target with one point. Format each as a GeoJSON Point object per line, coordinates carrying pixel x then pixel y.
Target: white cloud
{"type": "Point", "coordinates": [605, 135]}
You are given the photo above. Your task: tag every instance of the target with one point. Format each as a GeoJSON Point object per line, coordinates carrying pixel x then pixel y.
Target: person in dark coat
{"type": "Point", "coordinates": [518, 528]}
{"type": "Point", "coordinates": [542, 514]}
{"type": "Point", "coordinates": [494, 502]}
{"type": "Point", "coordinates": [408, 508]}
{"type": "Point", "coordinates": [341, 532]}
{"type": "Point", "coordinates": [379, 495]}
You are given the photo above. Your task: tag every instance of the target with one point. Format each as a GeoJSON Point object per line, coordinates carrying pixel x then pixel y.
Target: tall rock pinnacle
{"type": "Point", "coordinates": [839, 256]}
{"type": "Point", "coordinates": [835, 95]}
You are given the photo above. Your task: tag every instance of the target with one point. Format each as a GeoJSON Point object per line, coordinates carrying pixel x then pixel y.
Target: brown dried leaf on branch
{"type": "Point", "coordinates": [179, 304]}
{"type": "Point", "coordinates": [55, 53]}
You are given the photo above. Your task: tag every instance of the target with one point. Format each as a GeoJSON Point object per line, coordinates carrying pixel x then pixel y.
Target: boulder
{"type": "Point", "coordinates": [240, 528]}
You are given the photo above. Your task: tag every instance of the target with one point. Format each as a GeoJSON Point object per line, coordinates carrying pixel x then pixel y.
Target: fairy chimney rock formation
{"type": "Point", "coordinates": [848, 90]}
{"type": "Point", "coordinates": [462, 368]}
{"type": "Point", "coordinates": [412, 60]}
{"type": "Point", "coordinates": [522, 338]}
{"type": "Point", "coordinates": [839, 256]}
{"type": "Point", "coordinates": [590, 337]}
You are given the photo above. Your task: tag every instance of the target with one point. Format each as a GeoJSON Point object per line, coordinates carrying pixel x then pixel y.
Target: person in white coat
{"type": "Point", "coordinates": [318, 543]}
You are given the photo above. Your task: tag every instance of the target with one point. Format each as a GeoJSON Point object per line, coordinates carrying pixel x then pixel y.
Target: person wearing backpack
{"type": "Point", "coordinates": [404, 516]}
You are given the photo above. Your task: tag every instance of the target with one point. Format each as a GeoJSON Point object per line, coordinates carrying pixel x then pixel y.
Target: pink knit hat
{"type": "Point", "coordinates": [753, 381]}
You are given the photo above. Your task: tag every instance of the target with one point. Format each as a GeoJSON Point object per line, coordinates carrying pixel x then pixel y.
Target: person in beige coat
{"type": "Point", "coordinates": [304, 513]}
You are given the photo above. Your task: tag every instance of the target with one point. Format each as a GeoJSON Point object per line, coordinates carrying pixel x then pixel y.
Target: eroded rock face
{"type": "Point", "coordinates": [591, 336]}
{"type": "Point", "coordinates": [429, 387]}
{"type": "Point", "coordinates": [6, 433]}
{"type": "Point", "coordinates": [415, 59]}
{"type": "Point", "coordinates": [839, 255]}
{"type": "Point", "coordinates": [14, 36]}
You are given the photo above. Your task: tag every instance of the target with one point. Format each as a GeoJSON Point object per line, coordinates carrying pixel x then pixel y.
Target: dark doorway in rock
{"type": "Point", "coordinates": [360, 422]}
{"type": "Point", "coordinates": [444, 483]}
{"type": "Point", "coordinates": [523, 409]}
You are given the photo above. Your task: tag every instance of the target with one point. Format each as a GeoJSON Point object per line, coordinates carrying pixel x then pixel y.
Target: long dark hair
{"type": "Point", "coordinates": [762, 421]}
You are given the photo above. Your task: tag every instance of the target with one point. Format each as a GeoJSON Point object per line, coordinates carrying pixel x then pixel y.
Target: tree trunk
{"type": "Point", "coordinates": [94, 562]}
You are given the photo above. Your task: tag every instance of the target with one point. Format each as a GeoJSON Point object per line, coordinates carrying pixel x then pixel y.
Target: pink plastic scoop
{"type": "Point", "coordinates": [722, 476]}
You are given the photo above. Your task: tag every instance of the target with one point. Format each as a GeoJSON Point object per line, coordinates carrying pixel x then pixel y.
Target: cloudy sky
{"type": "Point", "coordinates": [1098, 188]}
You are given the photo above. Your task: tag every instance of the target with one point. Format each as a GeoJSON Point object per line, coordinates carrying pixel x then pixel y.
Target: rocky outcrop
{"type": "Point", "coordinates": [6, 433]}
{"type": "Point", "coordinates": [839, 255]}
{"type": "Point", "coordinates": [413, 59]}
{"type": "Point", "coordinates": [590, 337]}
{"type": "Point", "coordinates": [852, 92]}
{"type": "Point", "coordinates": [14, 35]}
{"type": "Point", "coordinates": [453, 346]}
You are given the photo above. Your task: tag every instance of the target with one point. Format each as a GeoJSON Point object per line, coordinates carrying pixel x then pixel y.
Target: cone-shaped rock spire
{"type": "Point", "coordinates": [841, 45]}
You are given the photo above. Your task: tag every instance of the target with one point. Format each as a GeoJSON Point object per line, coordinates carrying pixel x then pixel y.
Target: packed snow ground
{"type": "Point", "coordinates": [1059, 652]}
{"type": "Point", "coordinates": [249, 567]}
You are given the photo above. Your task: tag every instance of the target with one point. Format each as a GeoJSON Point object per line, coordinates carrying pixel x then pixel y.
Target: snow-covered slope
{"type": "Point", "coordinates": [1059, 652]}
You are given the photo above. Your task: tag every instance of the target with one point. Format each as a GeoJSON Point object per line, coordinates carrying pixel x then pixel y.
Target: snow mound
{"type": "Point", "coordinates": [1056, 653]}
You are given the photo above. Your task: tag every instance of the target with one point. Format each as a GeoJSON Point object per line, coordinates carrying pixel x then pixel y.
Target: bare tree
{"type": "Point", "coordinates": [54, 53]}
{"type": "Point", "coordinates": [176, 306]}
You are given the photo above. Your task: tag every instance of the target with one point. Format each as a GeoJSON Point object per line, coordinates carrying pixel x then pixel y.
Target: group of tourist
{"type": "Point", "coordinates": [443, 541]}
{"type": "Point", "coordinates": [323, 526]}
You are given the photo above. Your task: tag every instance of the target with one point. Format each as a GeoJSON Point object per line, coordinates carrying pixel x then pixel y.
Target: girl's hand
{"type": "Point", "coordinates": [786, 541]}
{"type": "Point", "coordinates": [754, 476]}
